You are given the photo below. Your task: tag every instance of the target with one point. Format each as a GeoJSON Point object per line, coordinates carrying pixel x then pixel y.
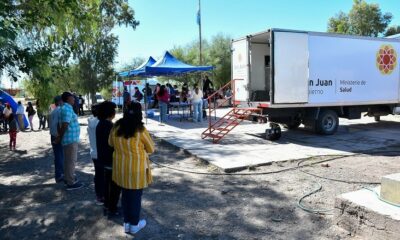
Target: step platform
{"type": "Point", "coordinates": [390, 189]}
{"type": "Point", "coordinates": [362, 214]}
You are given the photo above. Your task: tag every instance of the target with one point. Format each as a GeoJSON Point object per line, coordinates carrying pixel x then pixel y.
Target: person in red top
{"type": "Point", "coordinates": [163, 101]}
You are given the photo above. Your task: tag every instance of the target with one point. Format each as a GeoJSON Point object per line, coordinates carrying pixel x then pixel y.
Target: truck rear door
{"type": "Point", "coordinates": [290, 67]}
{"type": "Point", "coordinates": [240, 68]}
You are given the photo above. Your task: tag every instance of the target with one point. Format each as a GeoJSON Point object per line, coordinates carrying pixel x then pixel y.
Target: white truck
{"type": "Point", "coordinates": [313, 78]}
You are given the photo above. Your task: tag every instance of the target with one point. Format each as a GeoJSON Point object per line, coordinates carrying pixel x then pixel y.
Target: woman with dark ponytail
{"type": "Point", "coordinates": [131, 166]}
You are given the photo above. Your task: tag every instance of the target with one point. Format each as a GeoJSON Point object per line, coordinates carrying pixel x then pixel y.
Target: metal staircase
{"type": "Point", "coordinates": [218, 129]}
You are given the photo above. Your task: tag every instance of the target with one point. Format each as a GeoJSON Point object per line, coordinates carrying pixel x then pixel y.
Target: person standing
{"type": "Point", "coordinates": [2, 119]}
{"type": "Point", "coordinates": [207, 85]}
{"type": "Point", "coordinates": [98, 166]}
{"type": "Point", "coordinates": [13, 131]}
{"type": "Point", "coordinates": [172, 94]}
{"type": "Point", "coordinates": [155, 94]}
{"type": "Point", "coordinates": [31, 112]}
{"type": "Point", "coordinates": [106, 113]}
{"type": "Point", "coordinates": [138, 95]}
{"type": "Point", "coordinates": [131, 166]}
{"type": "Point", "coordinates": [163, 101]}
{"type": "Point", "coordinates": [6, 113]}
{"type": "Point", "coordinates": [42, 115]}
{"type": "Point", "coordinates": [69, 137]}
{"type": "Point", "coordinates": [197, 104]}
{"type": "Point", "coordinates": [20, 115]}
{"type": "Point", "coordinates": [184, 93]}
{"type": "Point", "coordinates": [75, 107]}
{"type": "Point", "coordinates": [147, 94]}
{"type": "Point", "coordinates": [81, 103]}
{"type": "Point", "coordinates": [126, 97]}
{"type": "Point", "coordinates": [54, 123]}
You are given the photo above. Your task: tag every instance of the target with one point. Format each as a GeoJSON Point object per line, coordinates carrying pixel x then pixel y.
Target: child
{"type": "Point", "coordinates": [98, 167]}
{"type": "Point", "coordinates": [13, 131]}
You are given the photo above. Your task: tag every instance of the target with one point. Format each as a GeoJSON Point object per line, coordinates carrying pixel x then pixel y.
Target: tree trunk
{"type": "Point", "coordinates": [93, 96]}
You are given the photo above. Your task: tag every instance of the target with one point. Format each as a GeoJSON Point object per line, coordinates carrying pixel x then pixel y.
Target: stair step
{"type": "Point", "coordinates": [229, 122]}
{"type": "Point", "coordinates": [249, 109]}
{"type": "Point", "coordinates": [220, 129]}
{"type": "Point", "coordinates": [212, 135]}
{"type": "Point", "coordinates": [239, 116]}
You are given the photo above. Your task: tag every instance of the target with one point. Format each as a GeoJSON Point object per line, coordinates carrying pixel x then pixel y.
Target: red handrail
{"type": "Point", "coordinates": [230, 83]}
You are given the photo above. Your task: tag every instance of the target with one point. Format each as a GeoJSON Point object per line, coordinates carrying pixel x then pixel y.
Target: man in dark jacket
{"type": "Point", "coordinates": [138, 95]}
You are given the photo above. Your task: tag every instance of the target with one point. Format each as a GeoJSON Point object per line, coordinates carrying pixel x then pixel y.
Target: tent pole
{"type": "Point", "coordinates": [199, 23]}
{"type": "Point", "coordinates": [145, 100]}
{"type": "Point", "coordinates": [116, 88]}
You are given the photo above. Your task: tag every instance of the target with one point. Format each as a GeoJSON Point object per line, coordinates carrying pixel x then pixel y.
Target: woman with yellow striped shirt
{"type": "Point", "coordinates": [131, 166]}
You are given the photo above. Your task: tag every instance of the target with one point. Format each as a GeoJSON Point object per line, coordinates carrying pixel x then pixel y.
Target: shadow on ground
{"type": "Point", "coordinates": [176, 206]}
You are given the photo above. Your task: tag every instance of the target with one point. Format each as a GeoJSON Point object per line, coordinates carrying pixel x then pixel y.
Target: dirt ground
{"type": "Point", "coordinates": [179, 205]}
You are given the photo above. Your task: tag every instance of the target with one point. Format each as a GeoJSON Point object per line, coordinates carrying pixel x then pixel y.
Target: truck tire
{"type": "Point", "coordinates": [377, 118]}
{"type": "Point", "coordinates": [327, 123]}
{"type": "Point", "coordinates": [273, 133]}
{"type": "Point", "coordinates": [293, 125]}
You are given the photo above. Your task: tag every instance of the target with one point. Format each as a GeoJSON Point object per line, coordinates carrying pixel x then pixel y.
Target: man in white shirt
{"type": "Point", "coordinates": [20, 116]}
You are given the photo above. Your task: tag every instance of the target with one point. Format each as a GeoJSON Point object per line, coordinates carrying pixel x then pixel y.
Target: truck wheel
{"type": "Point", "coordinates": [377, 118]}
{"type": "Point", "coordinates": [292, 125]}
{"type": "Point", "coordinates": [327, 122]}
{"type": "Point", "coordinates": [273, 133]}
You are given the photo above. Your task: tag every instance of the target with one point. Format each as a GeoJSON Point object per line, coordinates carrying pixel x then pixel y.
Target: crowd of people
{"type": "Point", "coordinates": [119, 151]}
{"type": "Point", "coordinates": [120, 154]}
{"type": "Point", "coordinates": [13, 121]}
{"type": "Point", "coordinates": [163, 95]}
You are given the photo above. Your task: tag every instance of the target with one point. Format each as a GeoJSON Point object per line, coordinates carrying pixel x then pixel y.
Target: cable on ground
{"type": "Point", "coordinates": [299, 167]}
{"type": "Point", "coordinates": [325, 211]}
{"type": "Point", "coordinates": [379, 197]}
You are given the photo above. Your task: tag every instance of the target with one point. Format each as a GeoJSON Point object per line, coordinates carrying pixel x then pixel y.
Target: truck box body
{"type": "Point", "coordinates": [287, 69]}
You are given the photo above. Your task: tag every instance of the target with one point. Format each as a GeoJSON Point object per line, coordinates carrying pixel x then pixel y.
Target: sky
{"type": "Point", "coordinates": [168, 23]}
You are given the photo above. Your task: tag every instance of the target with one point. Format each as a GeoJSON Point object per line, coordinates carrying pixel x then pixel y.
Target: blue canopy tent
{"type": "Point", "coordinates": [150, 61]}
{"type": "Point", "coordinates": [124, 73]}
{"type": "Point", "coordinates": [7, 98]}
{"type": "Point", "coordinates": [141, 68]}
{"type": "Point", "coordinates": [169, 65]}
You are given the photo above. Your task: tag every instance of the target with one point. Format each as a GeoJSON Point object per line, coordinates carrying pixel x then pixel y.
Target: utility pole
{"type": "Point", "coordinates": [199, 23]}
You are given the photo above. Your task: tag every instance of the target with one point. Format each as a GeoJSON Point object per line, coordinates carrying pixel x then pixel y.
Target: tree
{"type": "Point", "coordinates": [392, 31]}
{"type": "Point", "coordinates": [57, 39]}
{"type": "Point", "coordinates": [136, 62]}
{"type": "Point", "coordinates": [339, 23]}
{"type": "Point", "coordinates": [217, 53]}
{"type": "Point", "coordinates": [33, 32]}
{"type": "Point", "coordinates": [96, 57]}
{"type": "Point", "coordinates": [363, 19]}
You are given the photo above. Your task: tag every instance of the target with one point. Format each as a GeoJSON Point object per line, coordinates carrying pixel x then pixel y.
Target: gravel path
{"type": "Point", "coordinates": [178, 205]}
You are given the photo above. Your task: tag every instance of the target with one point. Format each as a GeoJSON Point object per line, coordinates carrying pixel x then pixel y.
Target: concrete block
{"type": "Point", "coordinates": [362, 214]}
{"type": "Point", "coordinates": [390, 188]}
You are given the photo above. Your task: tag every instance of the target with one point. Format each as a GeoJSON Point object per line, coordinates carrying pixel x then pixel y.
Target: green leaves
{"type": "Point", "coordinates": [392, 30]}
{"type": "Point", "coordinates": [363, 19]}
{"type": "Point", "coordinates": [64, 28]}
{"type": "Point", "coordinates": [216, 53]}
{"type": "Point", "coordinates": [61, 44]}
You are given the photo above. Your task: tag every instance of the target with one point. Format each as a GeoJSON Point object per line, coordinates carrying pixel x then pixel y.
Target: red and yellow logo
{"type": "Point", "coordinates": [386, 59]}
